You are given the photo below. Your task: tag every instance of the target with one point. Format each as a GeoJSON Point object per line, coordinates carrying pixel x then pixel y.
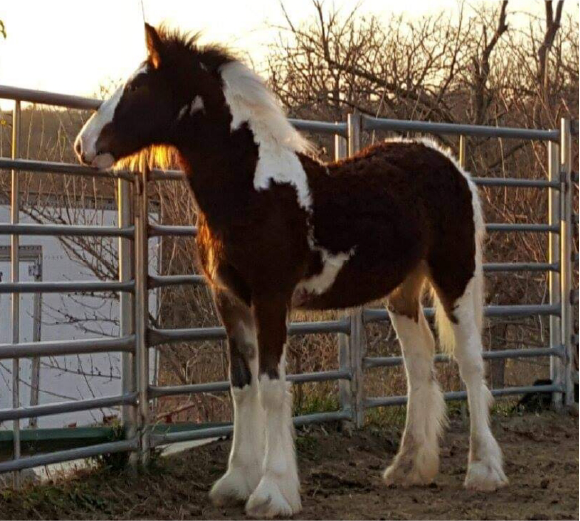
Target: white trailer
{"type": "Point", "coordinates": [57, 316]}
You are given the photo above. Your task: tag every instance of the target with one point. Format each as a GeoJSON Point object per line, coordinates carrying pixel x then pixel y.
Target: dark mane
{"type": "Point", "coordinates": [181, 44]}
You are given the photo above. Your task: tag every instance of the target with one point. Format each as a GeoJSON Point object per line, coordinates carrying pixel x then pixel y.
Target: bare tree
{"type": "Point", "coordinates": [471, 69]}
{"type": "Point", "coordinates": [476, 67]}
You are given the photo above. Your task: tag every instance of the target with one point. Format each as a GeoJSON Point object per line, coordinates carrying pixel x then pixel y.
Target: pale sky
{"type": "Point", "coordinates": [73, 46]}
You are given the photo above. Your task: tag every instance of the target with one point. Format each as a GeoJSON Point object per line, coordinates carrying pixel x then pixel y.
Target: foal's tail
{"type": "Point", "coordinates": [442, 322]}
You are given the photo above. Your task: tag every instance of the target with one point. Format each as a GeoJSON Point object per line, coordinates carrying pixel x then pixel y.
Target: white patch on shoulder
{"type": "Point", "coordinates": [251, 101]}
{"type": "Point", "coordinates": [282, 166]}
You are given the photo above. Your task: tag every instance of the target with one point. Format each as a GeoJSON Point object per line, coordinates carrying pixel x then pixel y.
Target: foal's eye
{"type": "Point", "coordinates": [132, 87]}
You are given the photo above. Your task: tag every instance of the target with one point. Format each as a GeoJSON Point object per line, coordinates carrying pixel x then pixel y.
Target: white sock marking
{"type": "Point", "coordinates": [248, 444]}
{"type": "Point", "coordinates": [426, 407]}
{"type": "Point", "coordinates": [279, 490]}
{"type": "Point", "coordinates": [485, 459]}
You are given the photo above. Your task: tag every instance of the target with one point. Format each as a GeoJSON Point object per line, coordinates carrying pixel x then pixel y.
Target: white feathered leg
{"type": "Point", "coordinates": [417, 462]}
{"type": "Point", "coordinates": [247, 453]}
{"type": "Point", "coordinates": [485, 469]}
{"type": "Point", "coordinates": [278, 493]}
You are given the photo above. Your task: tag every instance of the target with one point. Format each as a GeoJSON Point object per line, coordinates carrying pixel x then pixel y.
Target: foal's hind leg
{"type": "Point", "coordinates": [245, 463]}
{"type": "Point", "coordinates": [485, 470]}
{"type": "Point", "coordinates": [417, 461]}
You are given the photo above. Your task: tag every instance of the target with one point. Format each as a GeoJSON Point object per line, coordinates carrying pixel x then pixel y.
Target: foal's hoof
{"type": "Point", "coordinates": [273, 498]}
{"type": "Point", "coordinates": [412, 470]}
{"type": "Point", "coordinates": [395, 476]}
{"type": "Point", "coordinates": [235, 486]}
{"type": "Point", "coordinates": [485, 476]}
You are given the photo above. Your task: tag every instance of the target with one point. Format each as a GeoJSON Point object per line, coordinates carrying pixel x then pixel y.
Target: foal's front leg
{"type": "Point", "coordinates": [247, 453]}
{"type": "Point", "coordinates": [278, 493]}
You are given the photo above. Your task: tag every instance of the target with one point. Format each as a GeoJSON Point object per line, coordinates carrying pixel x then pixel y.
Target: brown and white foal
{"type": "Point", "coordinates": [280, 230]}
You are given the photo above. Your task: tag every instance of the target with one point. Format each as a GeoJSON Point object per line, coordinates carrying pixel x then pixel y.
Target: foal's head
{"type": "Point", "coordinates": [178, 84]}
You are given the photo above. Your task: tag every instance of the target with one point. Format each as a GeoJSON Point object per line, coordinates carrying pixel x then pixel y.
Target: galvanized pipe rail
{"type": "Point", "coordinates": [61, 456]}
{"type": "Point", "coordinates": [462, 395]}
{"type": "Point", "coordinates": [14, 279]}
{"type": "Point", "coordinates": [162, 230]}
{"type": "Point", "coordinates": [370, 123]}
{"type": "Point", "coordinates": [65, 230]}
{"type": "Point", "coordinates": [227, 430]}
{"type": "Point", "coordinates": [67, 347]}
{"type": "Point", "coordinates": [163, 281]}
{"type": "Point", "coordinates": [523, 310]}
{"type": "Point", "coordinates": [69, 406]}
{"type": "Point", "coordinates": [395, 361]}
{"type": "Point", "coordinates": [66, 287]}
{"type": "Point", "coordinates": [134, 284]}
{"type": "Point", "coordinates": [218, 387]}
{"type": "Point", "coordinates": [162, 337]}
{"type": "Point", "coordinates": [29, 165]}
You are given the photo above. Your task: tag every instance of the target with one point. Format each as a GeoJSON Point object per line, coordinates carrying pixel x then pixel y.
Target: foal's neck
{"type": "Point", "coordinates": [220, 168]}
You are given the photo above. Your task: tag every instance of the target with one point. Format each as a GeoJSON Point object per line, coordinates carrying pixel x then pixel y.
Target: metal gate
{"type": "Point", "coordinates": [136, 335]}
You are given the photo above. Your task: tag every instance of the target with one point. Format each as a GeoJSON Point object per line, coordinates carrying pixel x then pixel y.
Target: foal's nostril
{"type": "Point", "coordinates": [78, 147]}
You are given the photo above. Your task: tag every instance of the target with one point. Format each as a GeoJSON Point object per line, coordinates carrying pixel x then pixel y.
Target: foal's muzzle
{"type": "Point", "coordinates": [88, 155]}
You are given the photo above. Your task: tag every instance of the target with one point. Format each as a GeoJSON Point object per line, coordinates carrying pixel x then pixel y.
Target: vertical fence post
{"type": "Point", "coordinates": [463, 164]}
{"type": "Point", "coordinates": [462, 151]}
{"type": "Point", "coordinates": [15, 277]}
{"type": "Point", "coordinates": [553, 275]}
{"type": "Point", "coordinates": [141, 317]}
{"type": "Point", "coordinates": [35, 365]}
{"type": "Point", "coordinates": [566, 227]}
{"type": "Point", "coordinates": [357, 338]}
{"type": "Point", "coordinates": [344, 362]}
{"type": "Point", "coordinates": [126, 305]}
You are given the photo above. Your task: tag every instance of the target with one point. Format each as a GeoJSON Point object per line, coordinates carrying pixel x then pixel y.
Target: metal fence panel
{"type": "Point", "coordinates": [136, 336]}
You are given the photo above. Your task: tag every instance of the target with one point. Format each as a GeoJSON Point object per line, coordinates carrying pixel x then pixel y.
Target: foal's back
{"type": "Point", "coordinates": [398, 203]}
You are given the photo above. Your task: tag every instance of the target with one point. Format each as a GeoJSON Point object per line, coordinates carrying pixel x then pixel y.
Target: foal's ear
{"type": "Point", "coordinates": [154, 45]}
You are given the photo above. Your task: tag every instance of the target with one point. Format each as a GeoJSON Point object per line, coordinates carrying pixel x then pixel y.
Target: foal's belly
{"type": "Point", "coordinates": [352, 287]}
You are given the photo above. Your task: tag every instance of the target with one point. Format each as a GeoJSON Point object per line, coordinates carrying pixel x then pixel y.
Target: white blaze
{"type": "Point", "coordinates": [92, 129]}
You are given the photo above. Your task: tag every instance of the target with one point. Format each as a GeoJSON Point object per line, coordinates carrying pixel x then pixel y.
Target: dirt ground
{"type": "Point", "coordinates": [341, 479]}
